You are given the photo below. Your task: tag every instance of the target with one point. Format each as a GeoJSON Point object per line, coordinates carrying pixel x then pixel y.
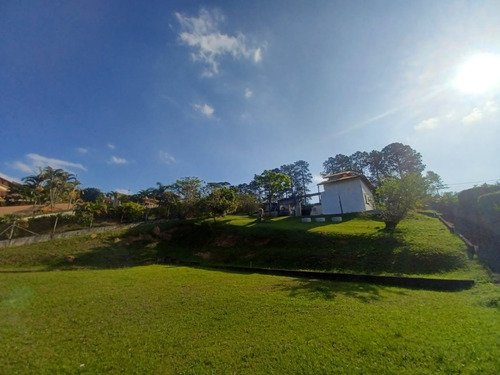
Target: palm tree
{"type": "Point", "coordinates": [52, 183]}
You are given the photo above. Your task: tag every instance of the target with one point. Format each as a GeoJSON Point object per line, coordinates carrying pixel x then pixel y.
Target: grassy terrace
{"type": "Point", "coordinates": [114, 316]}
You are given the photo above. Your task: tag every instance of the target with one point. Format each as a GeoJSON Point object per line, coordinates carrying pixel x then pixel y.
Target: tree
{"type": "Point", "coordinates": [397, 196]}
{"type": "Point", "coordinates": [220, 202]}
{"type": "Point", "coordinates": [340, 163]}
{"type": "Point", "coordinates": [376, 167]}
{"type": "Point", "coordinates": [189, 189]}
{"type": "Point", "coordinates": [434, 183]}
{"type": "Point", "coordinates": [273, 184]}
{"type": "Point", "coordinates": [400, 159]}
{"type": "Point", "coordinates": [91, 194]}
{"type": "Point", "coordinates": [246, 203]}
{"type": "Point", "coordinates": [53, 183]}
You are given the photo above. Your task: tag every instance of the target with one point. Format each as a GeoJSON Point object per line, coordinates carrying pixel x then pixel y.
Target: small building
{"type": "Point", "coordinates": [346, 192]}
{"type": "Point", "coordinates": [4, 188]}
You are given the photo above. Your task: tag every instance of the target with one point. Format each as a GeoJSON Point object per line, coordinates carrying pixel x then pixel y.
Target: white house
{"type": "Point", "coordinates": [346, 192]}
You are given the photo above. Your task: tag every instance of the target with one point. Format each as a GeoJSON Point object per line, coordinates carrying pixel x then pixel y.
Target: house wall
{"type": "Point", "coordinates": [354, 195]}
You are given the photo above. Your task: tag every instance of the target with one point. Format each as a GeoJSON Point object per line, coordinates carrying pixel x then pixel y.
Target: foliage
{"type": "Point", "coordinates": [300, 177]}
{"type": "Point", "coordinates": [246, 203]}
{"type": "Point", "coordinates": [394, 160]}
{"type": "Point", "coordinates": [87, 212]}
{"type": "Point", "coordinates": [219, 202]}
{"type": "Point", "coordinates": [489, 205]}
{"type": "Point", "coordinates": [91, 195]}
{"type": "Point", "coordinates": [397, 196]}
{"type": "Point", "coordinates": [273, 184]}
{"type": "Point", "coordinates": [50, 184]}
{"type": "Point", "coordinates": [189, 190]}
{"type": "Point", "coordinates": [130, 211]}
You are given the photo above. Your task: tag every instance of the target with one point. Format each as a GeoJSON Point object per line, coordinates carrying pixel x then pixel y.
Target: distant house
{"type": "Point", "coordinates": [4, 188]}
{"type": "Point", "coordinates": [346, 192]}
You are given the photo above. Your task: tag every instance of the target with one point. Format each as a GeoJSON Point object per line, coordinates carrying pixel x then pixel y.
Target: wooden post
{"type": "Point", "coordinates": [55, 226]}
{"type": "Point", "coordinates": [11, 233]}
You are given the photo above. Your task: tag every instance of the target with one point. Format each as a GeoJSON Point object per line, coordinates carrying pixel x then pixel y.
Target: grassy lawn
{"type": "Point", "coordinates": [107, 307]}
{"type": "Point", "coordinates": [178, 320]}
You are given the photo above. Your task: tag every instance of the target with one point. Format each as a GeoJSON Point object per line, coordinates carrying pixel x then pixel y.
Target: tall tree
{"type": "Point", "coordinates": [189, 189]}
{"type": "Point", "coordinates": [53, 183]}
{"type": "Point", "coordinates": [376, 167]}
{"type": "Point", "coordinates": [400, 159]}
{"type": "Point", "coordinates": [359, 162]}
{"type": "Point", "coordinates": [337, 164]}
{"type": "Point", "coordinates": [273, 184]}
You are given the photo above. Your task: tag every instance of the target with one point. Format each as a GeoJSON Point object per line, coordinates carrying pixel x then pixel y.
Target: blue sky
{"type": "Point", "coordinates": [128, 93]}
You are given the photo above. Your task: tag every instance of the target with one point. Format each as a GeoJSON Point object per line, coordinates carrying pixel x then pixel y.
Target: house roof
{"type": "Point", "coordinates": [343, 176]}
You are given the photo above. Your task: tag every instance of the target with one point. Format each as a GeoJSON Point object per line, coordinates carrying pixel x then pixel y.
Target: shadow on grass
{"type": "Point", "coordinates": [327, 290]}
{"type": "Point", "coordinates": [261, 246]}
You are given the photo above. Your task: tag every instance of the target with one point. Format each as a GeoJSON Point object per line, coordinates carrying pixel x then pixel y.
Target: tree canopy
{"type": "Point", "coordinates": [395, 159]}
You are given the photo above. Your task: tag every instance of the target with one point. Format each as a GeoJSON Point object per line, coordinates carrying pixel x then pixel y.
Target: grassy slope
{"type": "Point", "coordinates": [162, 319]}
{"type": "Point", "coordinates": [178, 320]}
{"type": "Point", "coordinates": [421, 245]}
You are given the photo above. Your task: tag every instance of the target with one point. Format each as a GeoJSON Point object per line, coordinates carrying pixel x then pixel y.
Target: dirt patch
{"type": "Point", "coordinates": [205, 256]}
{"type": "Point", "coordinates": [226, 241]}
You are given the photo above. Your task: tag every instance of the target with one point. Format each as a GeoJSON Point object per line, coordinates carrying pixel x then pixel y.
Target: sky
{"type": "Point", "coordinates": [125, 94]}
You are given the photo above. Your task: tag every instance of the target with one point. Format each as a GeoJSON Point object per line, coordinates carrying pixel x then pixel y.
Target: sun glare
{"type": "Point", "coordinates": [479, 74]}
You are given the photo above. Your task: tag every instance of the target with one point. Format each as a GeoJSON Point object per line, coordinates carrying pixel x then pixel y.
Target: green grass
{"type": "Point", "coordinates": [100, 313]}
{"type": "Point", "coordinates": [420, 246]}
{"type": "Point", "coordinates": [178, 320]}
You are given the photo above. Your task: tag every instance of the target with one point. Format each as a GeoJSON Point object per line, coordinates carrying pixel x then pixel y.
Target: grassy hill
{"type": "Point", "coordinates": [420, 245]}
{"type": "Point", "coordinates": [112, 318]}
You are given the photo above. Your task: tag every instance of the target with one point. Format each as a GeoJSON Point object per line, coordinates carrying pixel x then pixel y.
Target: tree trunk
{"type": "Point", "coordinates": [390, 225]}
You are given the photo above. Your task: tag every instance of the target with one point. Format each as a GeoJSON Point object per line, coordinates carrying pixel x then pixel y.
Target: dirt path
{"type": "Point", "coordinates": [28, 210]}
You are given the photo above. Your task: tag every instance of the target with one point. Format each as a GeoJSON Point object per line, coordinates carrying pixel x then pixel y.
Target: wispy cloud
{"type": "Point", "coordinates": [117, 160]}
{"type": "Point", "coordinates": [82, 150]}
{"type": "Point", "coordinates": [209, 44]}
{"type": "Point", "coordinates": [428, 124]}
{"type": "Point", "coordinates": [475, 116]}
{"type": "Point", "coordinates": [35, 161]}
{"type": "Point", "coordinates": [111, 146]}
{"type": "Point", "coordinates": [166, 158]}
{"type": "Point", "coordinates": [248, 93]}
{"type": "Point", "coordinates": [205, 109]}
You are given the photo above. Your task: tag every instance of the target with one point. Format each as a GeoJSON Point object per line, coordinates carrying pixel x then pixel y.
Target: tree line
{"type": "Point", "coordinates": [396, 172]}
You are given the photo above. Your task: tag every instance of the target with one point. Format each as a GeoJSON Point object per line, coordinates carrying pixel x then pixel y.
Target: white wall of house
{"type": "Point", "coordinates": [353, 193]}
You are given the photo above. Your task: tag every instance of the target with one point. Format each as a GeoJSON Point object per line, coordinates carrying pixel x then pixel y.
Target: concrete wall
{"type": "Point", "coordinates": [352, 195]}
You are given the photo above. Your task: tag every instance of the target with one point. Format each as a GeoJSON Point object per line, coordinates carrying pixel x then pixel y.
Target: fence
{"type": "Point", "coordinates": [48, 237]}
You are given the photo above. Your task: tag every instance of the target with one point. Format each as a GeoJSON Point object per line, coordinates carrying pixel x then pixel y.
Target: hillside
{"type": "Point", "coordinates": [420, 245]}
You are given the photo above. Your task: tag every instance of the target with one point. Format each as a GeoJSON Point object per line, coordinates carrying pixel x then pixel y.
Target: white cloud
{"type": "Point", "coordinates": [248, 93]}
{"type": "Point", "coordinates": [38, 161]}
{"type": "Point", "coordinates": [475, 116]}
{"type": "Point", "coordinates": [210, 45]}
{"type": "Point", "coordinates": [82, 150]}
{"type": "Point", "coordinates": [166, 158]}
{"type": "Point", "coordinates": [111, 146]}
{"type": "Point", "coordinates": [428, 124]}
{"type": "Point", "coordinates": [23, 167]}
{"type": "Point", "coordinates": [257, 55]}
{"type": "Point", "coordinates": [117, 160]}
{"type": "Point", "coordinates": [205, 109]}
